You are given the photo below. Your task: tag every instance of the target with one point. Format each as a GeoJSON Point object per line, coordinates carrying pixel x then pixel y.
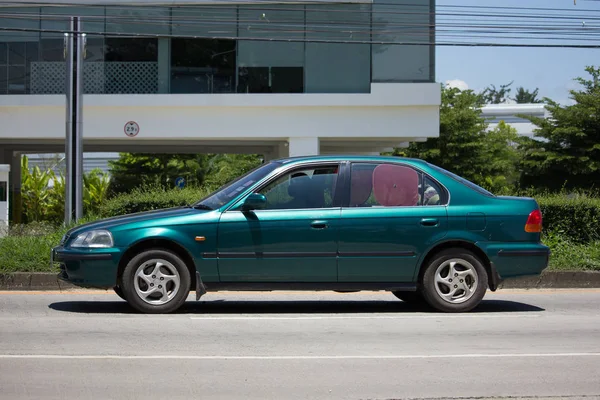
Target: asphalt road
{"type": "Point", "coordinates": [90, 345]}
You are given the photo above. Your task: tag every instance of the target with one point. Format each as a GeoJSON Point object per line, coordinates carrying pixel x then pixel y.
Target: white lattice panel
{"type": "Point", "coordinates": [98, 77]}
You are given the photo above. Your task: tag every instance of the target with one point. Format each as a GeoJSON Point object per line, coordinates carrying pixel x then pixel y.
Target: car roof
{"type": "Point", "coordinates": [316, 158]}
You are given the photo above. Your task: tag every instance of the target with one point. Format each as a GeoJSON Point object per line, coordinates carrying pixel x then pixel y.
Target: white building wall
{"type": "Point", "coordinates": [389, 115]}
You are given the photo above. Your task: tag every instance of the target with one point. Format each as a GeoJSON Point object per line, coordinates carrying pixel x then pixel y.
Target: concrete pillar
{"type": "Point", "coordinates": [164, 65]}
{"type": "Point", "coordinates": [15, 187]}
{"type": "Point", "coordinates": [303, 146]}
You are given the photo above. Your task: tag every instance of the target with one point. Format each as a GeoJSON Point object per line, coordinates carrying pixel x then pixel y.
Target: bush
{"type": "Point", "coordinates": [27, 246]}
{"type": "Point", "coordinates": [575, 217]}
{"type": "Point", "coordinates": [151, 198]}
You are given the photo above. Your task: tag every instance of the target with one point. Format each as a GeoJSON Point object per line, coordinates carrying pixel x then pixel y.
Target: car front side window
{"type": "Point", "coordinates": [304, 188]}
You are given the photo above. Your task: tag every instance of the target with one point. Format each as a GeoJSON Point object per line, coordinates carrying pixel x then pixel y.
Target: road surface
{"type": "Point", "coordinates": [291, 345]}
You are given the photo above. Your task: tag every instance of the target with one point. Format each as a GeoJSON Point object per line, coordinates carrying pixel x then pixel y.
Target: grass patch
{"type": "Point", "coordinates": [572, 256]}
{"type": "Point", "coordinates": [27, 247]}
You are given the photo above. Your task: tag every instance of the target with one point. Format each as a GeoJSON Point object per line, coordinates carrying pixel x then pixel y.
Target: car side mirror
{"type": "Point", "coordinates": [255, 201]}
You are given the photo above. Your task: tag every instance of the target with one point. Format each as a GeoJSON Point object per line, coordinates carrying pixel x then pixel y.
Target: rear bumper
{"type": "Point", "coordinates": [516, 259]}
{"type": "Point", "coordinates": [87, 268]}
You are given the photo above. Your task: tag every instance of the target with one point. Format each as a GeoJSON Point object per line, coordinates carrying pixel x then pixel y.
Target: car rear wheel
{"type": "Point", "coordinates": [455, 281]}
{"type": "Point", "coordinates": [156, 281]}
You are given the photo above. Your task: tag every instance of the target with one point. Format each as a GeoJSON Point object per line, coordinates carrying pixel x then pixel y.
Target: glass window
{"type": "Point", "coordinates": [271, 66]}
{"type": "Point", "coordinates": [230, 191]}
{"type": "Point", "coordinates": [59, 19]}
{"type": "Point", "coordinates": [303, 188]}
{"type": "Point", "coordinates": [204, 21]}
{"type": "Point", "coordinates": [130, 66]}
{"type": "Point", "coordinates": [338, 67]}
{"type": "Point", "coordinates": [432, 193]}
{"type": "Point", "coordinates": [462, 180]}
{"type": "Point", "coordinates": [402, 21]}
{"type": "Point", "coordinates": [15, 61]}
{"type": "Point", "coordinates": [384, 185]}
{"type": "Point", "coordinates": [21, 18]}
{"type": "Point", "coordinates": [138, 20]}
{"type": "Point", "coordinates": [202, 65]}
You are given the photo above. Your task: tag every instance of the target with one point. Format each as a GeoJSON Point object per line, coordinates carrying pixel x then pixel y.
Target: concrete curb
{"type": "Point", "coordinates": [548, 280]}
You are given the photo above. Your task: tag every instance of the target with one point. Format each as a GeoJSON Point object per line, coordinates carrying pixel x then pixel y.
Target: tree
{"type": "Point", "coordinates": [460, 145]}
{"type": "Point", "coordinates": [466, 148]}
{"type": "Point", "coordinates": [567, 150]}
{"type": "Point", "coordinates": [502, 150]}
{"type": "Point", "coordinates": [491, 95]}
{"type": "Point", "coordinates": [524, 96]}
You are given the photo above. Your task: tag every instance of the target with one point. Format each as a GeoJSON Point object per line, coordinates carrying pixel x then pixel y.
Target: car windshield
{"type": "Point", "coordinates": [462, 180]}
{"type": "Point", "coordinates": [231, 190]}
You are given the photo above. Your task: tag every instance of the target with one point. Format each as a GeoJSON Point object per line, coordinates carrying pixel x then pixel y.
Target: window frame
{"type": "Point", "coordinates": [337, 199]}
{"type": "Point", "coordinates": [423, 174]}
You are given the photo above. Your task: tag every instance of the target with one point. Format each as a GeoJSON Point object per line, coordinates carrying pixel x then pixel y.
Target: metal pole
{"type": "Point", "coordinates": [75, 44]}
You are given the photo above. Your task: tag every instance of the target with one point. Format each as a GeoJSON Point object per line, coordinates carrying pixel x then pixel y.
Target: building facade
{"type": "Point", "coordinates": [277, 79]}
{"type": "Point", "coordinates": [273, 78]}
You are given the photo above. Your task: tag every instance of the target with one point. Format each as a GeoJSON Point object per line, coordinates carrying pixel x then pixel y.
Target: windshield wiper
{"type": "Point", "coordinates": [202, 207]}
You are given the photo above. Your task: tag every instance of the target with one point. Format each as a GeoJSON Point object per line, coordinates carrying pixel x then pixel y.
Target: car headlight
{"type": "Point", "coordinates": [93, 239]}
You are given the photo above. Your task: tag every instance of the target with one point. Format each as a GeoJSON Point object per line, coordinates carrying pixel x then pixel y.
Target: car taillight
{"type": "Point", "coordinates": [534, 222]}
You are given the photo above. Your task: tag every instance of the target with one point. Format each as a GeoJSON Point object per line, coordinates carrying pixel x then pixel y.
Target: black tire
{"type": "Point", "coordinates": [119, 292]}
{"type": "Point", "coordinates": [434, 296]}
{"type": "Point", "coordinates": [410, 297]}
{"type": "Point", "coordinates": [174, 265]}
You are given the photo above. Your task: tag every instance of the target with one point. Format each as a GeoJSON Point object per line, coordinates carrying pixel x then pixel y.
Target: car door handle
{"type": "Point", "coordinates": [430, 222]}
{"type": "Point", "coordinates": [319, 224]}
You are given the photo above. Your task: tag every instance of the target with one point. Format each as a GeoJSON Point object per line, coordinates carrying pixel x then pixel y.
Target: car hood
{"type": "Point", "coordinates": [136, 218]}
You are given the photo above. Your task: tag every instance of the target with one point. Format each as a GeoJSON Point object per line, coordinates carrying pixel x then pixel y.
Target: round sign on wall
{"type": "Point", "coordinates": [131, 128]}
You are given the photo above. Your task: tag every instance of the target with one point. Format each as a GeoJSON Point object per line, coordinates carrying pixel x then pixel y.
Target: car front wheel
{"type": "Point", "coordinates": [156, 281]}
{"type": "Point", "coordinates": [455, 281]}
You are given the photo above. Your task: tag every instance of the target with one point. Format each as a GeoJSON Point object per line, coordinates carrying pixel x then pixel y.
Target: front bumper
{"type": "Point", "coordinates": [95, 268]}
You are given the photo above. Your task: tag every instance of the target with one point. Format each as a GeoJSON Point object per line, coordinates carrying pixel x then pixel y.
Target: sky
{"type": "Point", "coordinates": [552, 70]}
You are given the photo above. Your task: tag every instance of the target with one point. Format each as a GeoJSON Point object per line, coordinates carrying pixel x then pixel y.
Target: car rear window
{"type": "Point", "coordinates": [465, 182]}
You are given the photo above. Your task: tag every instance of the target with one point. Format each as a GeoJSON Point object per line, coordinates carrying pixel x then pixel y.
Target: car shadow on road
{"type": "Point", "coordinates": [221, 306]}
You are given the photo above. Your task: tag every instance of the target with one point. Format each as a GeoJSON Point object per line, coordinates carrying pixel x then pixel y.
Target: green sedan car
{"type": "Point", "coordinates": [317, 223]}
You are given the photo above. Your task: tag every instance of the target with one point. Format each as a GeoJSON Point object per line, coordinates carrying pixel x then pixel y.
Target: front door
{"type": "Point", "coordinates": [294, 239]}
{"type": "Point", "coordinates": [394, 214]}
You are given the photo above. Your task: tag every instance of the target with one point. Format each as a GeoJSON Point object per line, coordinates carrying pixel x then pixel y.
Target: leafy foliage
{"type": "Point", "coordinates": [147, 198]}
{"type": "Point", "coordinates": [568, 154]}
{"type": "Point", "coordinates": [43, 192]}
{"type": "Point", "coordinates": [575, 216]}
{"type": "Point", "coordinates": [524, 96]}
{"type": "Point", "coordinates": [492, 95]}
{"type": "Point", "coordinates": [135, 170]}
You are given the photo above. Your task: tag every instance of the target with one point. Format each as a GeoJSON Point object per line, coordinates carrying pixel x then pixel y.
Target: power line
{"type": "Point", "coordinates": [316, 40]}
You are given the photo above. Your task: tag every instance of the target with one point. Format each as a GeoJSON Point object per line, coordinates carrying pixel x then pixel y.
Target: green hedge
{"type": "Point", "coordinates": [571, 229]}
{"type": "Point", "coordinates": [147, 199]}
{"type": "Point", "coordinates": [574, 217]}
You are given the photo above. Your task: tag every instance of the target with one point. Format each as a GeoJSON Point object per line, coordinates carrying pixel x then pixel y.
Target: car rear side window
{"type": "Point", "coordinates": [462, 180]}
{"type": "Point", "coordinates": [392, 185]}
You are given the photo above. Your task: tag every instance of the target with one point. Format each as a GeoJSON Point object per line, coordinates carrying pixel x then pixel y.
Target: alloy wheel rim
{"type": "Point", "coordinates": [156, 281]}
{"type": "Point", "coordinates": [456, 280]}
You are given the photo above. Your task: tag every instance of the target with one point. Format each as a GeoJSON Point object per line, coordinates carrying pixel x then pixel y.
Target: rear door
{"type": "Point", "coordinates": [394, 213]}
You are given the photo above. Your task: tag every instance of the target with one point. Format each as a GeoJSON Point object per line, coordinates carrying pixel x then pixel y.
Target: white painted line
{"type": "Point", "coordinates": [326, 317]}
{"type": "Point", "coordinates": [290, 357]}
